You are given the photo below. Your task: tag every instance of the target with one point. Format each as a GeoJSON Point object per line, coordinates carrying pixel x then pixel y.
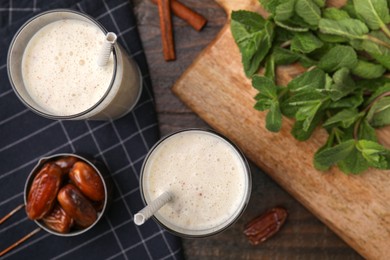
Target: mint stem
{"type": "Point", "coordinates": [385, 30]}
{"type": "Point", "coordinates": [378, 41]}
{"type": "Point", "coordinates": [283, 92]}
{"type": "Point", "coordinates": [285, 44]}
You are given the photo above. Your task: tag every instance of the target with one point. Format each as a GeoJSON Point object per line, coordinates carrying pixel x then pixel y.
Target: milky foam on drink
{"type": "Point", "coordinates": [60, 69]}
{"type": "Point", "coordinates": [206, 175]}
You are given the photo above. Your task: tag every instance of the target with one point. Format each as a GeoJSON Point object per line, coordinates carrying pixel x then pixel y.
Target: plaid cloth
{"type": "Point", "coordinates": [121, 144]}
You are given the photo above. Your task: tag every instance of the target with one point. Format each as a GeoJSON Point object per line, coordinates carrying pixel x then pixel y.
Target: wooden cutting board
{"type": "Point", "coordinates": [357, 208]}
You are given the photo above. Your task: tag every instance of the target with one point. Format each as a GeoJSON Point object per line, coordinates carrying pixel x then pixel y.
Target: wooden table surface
{"type": "Point", "coordinates": [303, 235]}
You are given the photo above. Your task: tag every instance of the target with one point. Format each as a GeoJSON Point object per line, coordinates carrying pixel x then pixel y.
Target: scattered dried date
{"type": "Point", "coordinates": [43, 191]}
{"type": "Point", "coordinates": [266, 225]}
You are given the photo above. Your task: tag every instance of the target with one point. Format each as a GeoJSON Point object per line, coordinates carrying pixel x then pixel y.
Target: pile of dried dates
{"type": "Point", "coordinates": [66, 194]}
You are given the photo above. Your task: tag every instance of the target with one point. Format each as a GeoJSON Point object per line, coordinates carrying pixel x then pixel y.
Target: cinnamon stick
{"type": "Point", "coordinates": [19, 241]}
{"type": "Point", "coordinates": [3, 219]}
{"type": "Point", "coordinates": [196, 20]}
{"type": "Point", "coordinates": [164, 11]}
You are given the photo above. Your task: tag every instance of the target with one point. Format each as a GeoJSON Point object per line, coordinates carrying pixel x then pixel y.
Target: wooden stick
{"type": "Point", "coordinates": [11, 213]}
{"type": "Point", "coordinates": [164, 11]}
{"type": "Point", "coordinates": [196, 20]}
{"type": "Point", "coordinates": [19, 241]}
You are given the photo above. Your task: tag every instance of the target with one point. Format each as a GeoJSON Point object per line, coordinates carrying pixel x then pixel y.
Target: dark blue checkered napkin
{"type": "Point", "coordinates": [121, 145]}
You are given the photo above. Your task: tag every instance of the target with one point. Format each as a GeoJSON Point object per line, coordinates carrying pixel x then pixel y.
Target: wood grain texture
{"type": "Point", "coordinates": [303, 236]}
{"type": "Point", "coordinates": [357, 208]}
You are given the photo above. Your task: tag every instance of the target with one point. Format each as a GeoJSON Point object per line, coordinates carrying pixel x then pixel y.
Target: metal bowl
{"type": "Point", "coordinates": [99, 168]}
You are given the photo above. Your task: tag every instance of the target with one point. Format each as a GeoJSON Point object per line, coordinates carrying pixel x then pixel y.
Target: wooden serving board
{"type": "Point", "coordinates": [357, 208]}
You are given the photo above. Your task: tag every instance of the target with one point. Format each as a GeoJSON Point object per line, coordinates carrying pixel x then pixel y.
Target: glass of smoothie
{"type": "Point", "coordinates": [53, 69]}
{"type": "Point", "coordinates": [207, 177]}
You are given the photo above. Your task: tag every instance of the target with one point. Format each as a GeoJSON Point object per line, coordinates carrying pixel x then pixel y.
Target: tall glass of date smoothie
{"type": "Point", "coordinates": [53, 69]}
{"type": "Point", "coordinates": [206, 174]}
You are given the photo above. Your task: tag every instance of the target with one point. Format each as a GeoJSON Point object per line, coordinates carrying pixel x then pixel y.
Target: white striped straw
{"type": "Point", "coordinates": [105, 52]}
{"type": "Point", "coordinates": [152, 208]}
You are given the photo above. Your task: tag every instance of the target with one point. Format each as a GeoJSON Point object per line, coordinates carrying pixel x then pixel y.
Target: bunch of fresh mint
{"type": "Point", "coordinates": [346, 52]}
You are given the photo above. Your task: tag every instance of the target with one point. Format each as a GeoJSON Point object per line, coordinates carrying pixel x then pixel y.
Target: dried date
{"type": "Point", "coordinates": [66, 163]}
{"type": "Point", "coordinates": [58, 220]}
{"type": "Point", "coordinates": [263, 227]}
{"type": "Point", "coordinates": [43, 191]}
{"type": "Point", "coordinates": [77, 206]}
{"type": "Point", "coordinates": [87, 180]}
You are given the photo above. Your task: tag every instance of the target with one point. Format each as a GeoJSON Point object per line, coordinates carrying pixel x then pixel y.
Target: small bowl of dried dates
{"type": "Point", "coordinates": [66, 194]}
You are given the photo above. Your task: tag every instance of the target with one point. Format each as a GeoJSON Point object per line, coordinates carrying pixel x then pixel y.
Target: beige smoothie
{"type": "Point", "coordinates": [61, 73]}
{"type": "Point", "coordinates": [207, 176]}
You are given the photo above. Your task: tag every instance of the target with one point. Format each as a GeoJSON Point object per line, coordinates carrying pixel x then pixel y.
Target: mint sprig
{"type": "Point", "coordinates": [345, 89]}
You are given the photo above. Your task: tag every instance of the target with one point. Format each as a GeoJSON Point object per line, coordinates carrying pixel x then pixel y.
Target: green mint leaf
{"type": "Point", "coordinates": [345, 90]}
{"type": "Point", "coordinates": [307, 114]}
{"type": "Point", "coordinates": [335, 14]}
{"type": "Point", "coordinates": [326, 47]}
{"type": "Point", "coordinates": [270, 68]}
{"type": "Point", "coordinates": [379, 114]}
{"type": "Point", "coordinates": [305, 42]}
{"type": "Point", "coordinates": [345, 118]}
{"type": "Point", "coordinates": [327, 157]}
{"type": "Point", "coordinates": [270, 5]}
{"type": "Point", "coordinates": [285, 10]}
{"type": "Point", "coordinates": [380, 90]}
{"type": "Point", "coordinates": [368, 70]}
{"type": "Point", "coordinates": [377, 51]}
{"type": "Point", "coordinates": [268, 92]}
{"type": "Point", "coordinates": [283, 56]}
{"type": "Point", "coordinates": [375, 13]}
{"type": "Point", "coordinates": [319, 3]}
{"type": "Point", "coordinates": [338, 57]}
{"type": "Point", "coordinates": [331, 38]}
{"type": "Point", "coordinates": [253, 39]}
{"type": "Point", "coordinates": [347, 28]}
{"type": "Point", "coordinates": [292, 104]}
{"type": "Point", "coordinates": [354, 163]}
{"type": "Point", "coordinates": [351, 101]}
{"type": "Point", "coordinates": [299, 21]}
{"type": "Point", "coordinates": [287, 109]}
{"type": "Point", "coordinates": [264, 45]}
{"type": "Point", "coordinates": [282, 36]}
{"type": "Point", "coordinates": [375, 154]}
{"type": "Point", "coordinates": [367, 132]}
{"type": "Point", "coordinates": [357, 44]}
{"type": "Point", "coordinates": [300, 132]}
{"type": "Point", "coordinates": [246, 22]}
{"type": "Point", "coordinates": [273, 120]}
{"type": "Point", "coordinates": [262, 103]}
{"type": "Point", "coordinates": [291, 27]}
{"type": "Point", "coordinates": [343, 84]}
{"type": "Point", "coordinates": [308, 81]}
{"type": "Point", "coordinates": [265, 85]}
{"type": "Point", "coordinates": [308, 11]}
{"type": "Point", "coordinates": [350, 9]}
{"type": "Point", "coordinates": [373, 85]}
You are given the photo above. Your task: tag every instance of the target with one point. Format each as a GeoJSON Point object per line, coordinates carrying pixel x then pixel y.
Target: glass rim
{"type": "Point", "coordinates": [39, 111]}
{"type": "Point", "coordinates": [245, 200]}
